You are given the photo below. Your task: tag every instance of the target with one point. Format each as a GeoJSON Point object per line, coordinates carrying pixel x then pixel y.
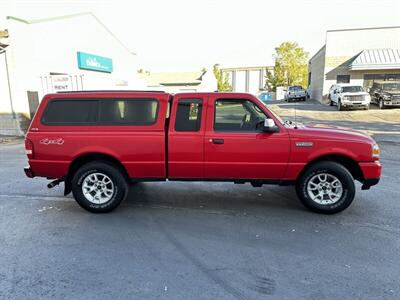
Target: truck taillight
{"type": "Point", "coordinates": [375, 151]}
{"type": "Point", "coordinates": [29, 149]}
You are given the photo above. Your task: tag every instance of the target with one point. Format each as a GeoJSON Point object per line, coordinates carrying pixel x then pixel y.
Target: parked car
{"type": "Point", "coordinates": [346, 95]}
{"type": "Point", "coordinates": [385, 93]}
{"type": "Point", "coordinates": [100, 141]}
{"type": "Point", "coordinates": [295, 93]}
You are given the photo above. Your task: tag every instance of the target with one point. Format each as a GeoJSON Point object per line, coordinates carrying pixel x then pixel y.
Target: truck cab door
{"type": "Point", "coordinates": [235, 145]}
{"type": "Point", "coordinates": [186, 137]}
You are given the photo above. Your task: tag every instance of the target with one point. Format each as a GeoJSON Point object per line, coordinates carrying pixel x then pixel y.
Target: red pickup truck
{"type": "Point", "coordinates": [97, 142]}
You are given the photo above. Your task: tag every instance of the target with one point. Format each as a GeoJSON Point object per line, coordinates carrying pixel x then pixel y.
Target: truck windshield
{"type": "Point", "coordinates": [352, 89]}
{"type": "Point", "coordinates": [391, 87]}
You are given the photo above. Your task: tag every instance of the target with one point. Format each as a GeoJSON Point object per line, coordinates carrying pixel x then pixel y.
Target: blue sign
{"type": "Point", "coordinates": [264, 97]}
{"type": "Point", "coordinates": [92, 62]}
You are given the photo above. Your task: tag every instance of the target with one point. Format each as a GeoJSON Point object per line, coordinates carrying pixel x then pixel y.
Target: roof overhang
{"type": "Point", "coordinates": [2, 46]}
{"type": "Point", "coordinates": [375, 67]}
{"type": "Point", "coordinates": [376, 59]}
{"type": "Point", "coordinates": [180, 83]}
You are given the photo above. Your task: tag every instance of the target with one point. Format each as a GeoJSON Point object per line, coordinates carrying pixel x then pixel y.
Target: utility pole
{"type": "Point", "coordinates": [4, 34]}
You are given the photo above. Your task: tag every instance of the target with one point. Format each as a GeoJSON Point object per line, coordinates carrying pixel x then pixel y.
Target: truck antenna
{"type": "Point", "coordinates": [295, 115]}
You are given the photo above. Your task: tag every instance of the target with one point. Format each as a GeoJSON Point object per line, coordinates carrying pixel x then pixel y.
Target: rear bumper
{"type": "Point", "coordinates": [28, 172]}
{"type": "Point", "coordinates": [292, 97]}
{"type": "Point", "coordinates": [371, 172]}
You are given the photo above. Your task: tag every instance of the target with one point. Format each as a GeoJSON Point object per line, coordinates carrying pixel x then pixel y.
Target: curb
{"type": "Point", "coordinates": [10, 139]}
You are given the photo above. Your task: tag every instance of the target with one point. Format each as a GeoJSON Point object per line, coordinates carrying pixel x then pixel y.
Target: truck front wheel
{"type": "Point", "coordinates": [339, 105]}
{"type": "Point", "coordinates": [99, 186]}
{"type": "Point", "coordinates": [381, 104]}
{"type": "Point", "coordinates": [326, 187]}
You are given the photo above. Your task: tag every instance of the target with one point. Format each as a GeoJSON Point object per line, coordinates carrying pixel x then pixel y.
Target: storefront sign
{"type": "Point", "coordinates": [92, 62]}
{"type": "Point", "coordinates": [61, 83]}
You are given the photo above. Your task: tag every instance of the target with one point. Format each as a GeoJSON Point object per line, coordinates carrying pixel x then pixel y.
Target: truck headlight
{"type": "Point", "coordinates": [375, 151]}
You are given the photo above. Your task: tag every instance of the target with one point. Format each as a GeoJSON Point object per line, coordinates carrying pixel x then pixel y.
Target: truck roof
{"type": "Point", "coordinates": [76, 94]}
{"type": "Point", "coordinates": [110, 91]}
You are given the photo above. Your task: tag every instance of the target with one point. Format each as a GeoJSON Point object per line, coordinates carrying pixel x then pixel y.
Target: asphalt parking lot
{"type": "Point", "coordinates": [203, 240]}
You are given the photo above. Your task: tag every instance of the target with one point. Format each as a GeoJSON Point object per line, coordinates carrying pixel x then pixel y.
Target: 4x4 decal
{"type": "Point", "coordinates": [47, 141]}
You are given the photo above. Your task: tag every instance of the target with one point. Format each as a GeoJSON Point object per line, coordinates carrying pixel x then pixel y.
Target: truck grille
{"type": "Point", "coordinates": [355, 98]}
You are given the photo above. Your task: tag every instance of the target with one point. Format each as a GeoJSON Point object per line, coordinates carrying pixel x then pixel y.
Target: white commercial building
{"type": "Point", "coordinates": [247, 79]}
{"type": "Point", "coordinates": [180, 82]}
{"type": "Point", "coordinates": [73, 52]}
{"type": "Point", "coordinates": [357, 56]}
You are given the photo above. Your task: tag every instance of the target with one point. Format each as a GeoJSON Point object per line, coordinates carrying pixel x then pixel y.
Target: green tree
{"type": "Point", "coordinates": [222, 80]}
{"type": "Point", "coordinates": [290, 67]}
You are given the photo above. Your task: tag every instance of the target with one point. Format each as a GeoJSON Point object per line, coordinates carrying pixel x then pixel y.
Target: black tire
{"type": "Point", "coordinates": [120, 186]}
{"type": "Point", "coordinates": [332, 168]}
{"type": "Point", "coordinates": [330, 103]}
{"type": "Point", "coordinates": [381, 104]}
{"type": "Point", "coordinates": [339, 105]}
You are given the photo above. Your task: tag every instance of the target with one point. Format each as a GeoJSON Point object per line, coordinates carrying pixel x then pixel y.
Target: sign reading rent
{"type": "Point", "coordinates": [61, 83]}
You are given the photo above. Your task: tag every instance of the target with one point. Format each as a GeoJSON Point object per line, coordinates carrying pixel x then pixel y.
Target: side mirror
{"type": "Point", "coordinates": [270, 126]}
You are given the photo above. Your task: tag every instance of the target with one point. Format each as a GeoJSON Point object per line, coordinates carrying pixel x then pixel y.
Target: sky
{"type": "Point", "coordinates": [187, 35]}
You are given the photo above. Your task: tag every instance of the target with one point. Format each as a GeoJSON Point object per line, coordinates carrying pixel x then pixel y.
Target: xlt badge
{"type": "Point", "coordinates": [304, 144]}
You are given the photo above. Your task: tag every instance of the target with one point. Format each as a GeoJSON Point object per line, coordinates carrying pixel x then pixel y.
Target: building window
{"type": "Point", "coordinates": [188, 115]}
{"type": "Point", "coordinates": [343, 79]}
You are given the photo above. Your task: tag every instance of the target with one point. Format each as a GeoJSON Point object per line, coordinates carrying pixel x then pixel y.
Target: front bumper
{"type": "Point", "coordinates": [391, 102]}
{"type": "Point", "coordinates": [371, 172]}
{"type": "Point", "coordinates": [28, 172]}
{"type": "Point", "coordinates": [347, 103]}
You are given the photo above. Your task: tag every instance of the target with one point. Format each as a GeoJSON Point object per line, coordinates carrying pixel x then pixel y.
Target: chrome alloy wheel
{"type": "Point", "coordinates": [324, 189]}
{"type": "Point", "coordinates": [98, 188]}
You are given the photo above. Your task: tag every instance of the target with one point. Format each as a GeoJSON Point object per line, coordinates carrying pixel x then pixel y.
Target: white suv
{"type": "Point", "coordinates": [346, 95]}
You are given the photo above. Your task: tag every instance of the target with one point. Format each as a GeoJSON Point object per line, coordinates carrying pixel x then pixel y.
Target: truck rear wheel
{"type": "Point", "coordinates": [326, 187]}
{"type": "Point", "coordinates": [99, 186]}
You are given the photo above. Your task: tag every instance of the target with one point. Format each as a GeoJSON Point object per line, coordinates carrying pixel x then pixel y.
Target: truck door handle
{"type": "Point", "coordinates": [217, 141]}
